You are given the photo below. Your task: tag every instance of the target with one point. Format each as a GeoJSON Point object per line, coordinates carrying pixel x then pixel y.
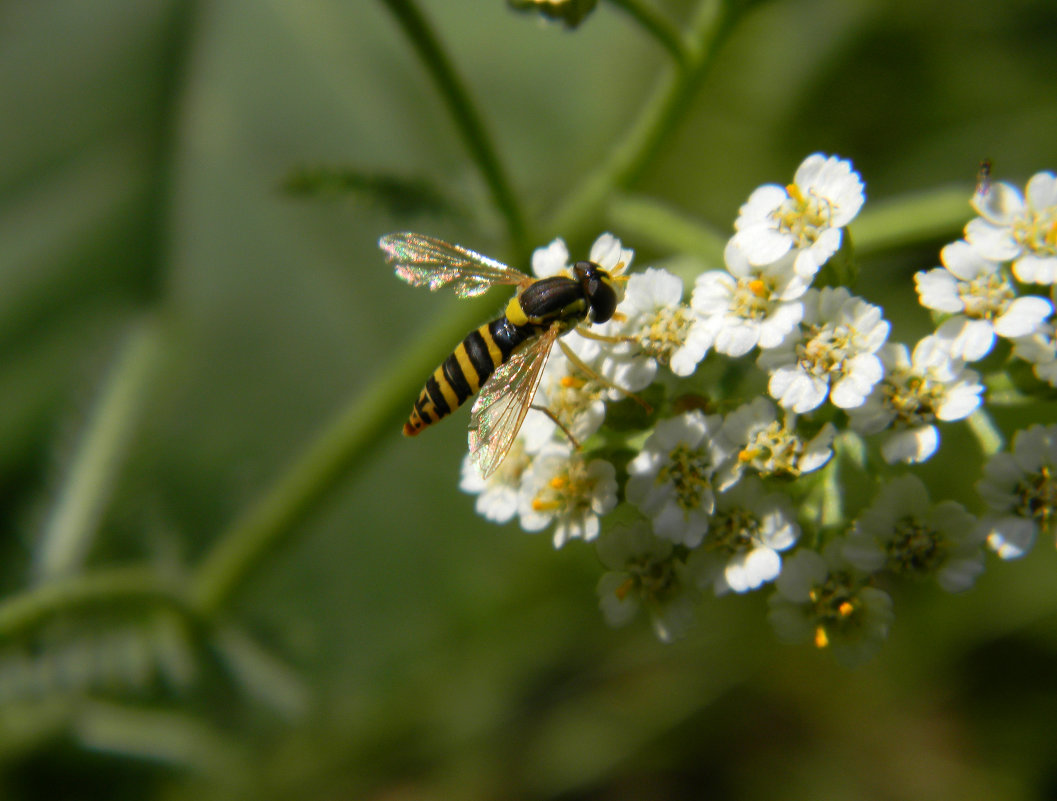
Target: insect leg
{"type": "Point", "coordinates": [554, 419]}
{"type": "Point", "coordinates": [582, 367]}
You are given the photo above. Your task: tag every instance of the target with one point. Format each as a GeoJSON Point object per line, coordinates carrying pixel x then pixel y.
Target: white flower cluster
{"type": "Point", "coordinates": [718, 492]}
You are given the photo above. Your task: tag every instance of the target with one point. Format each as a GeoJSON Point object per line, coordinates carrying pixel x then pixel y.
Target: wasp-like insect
{"type": "Point", "coordinates": [503, 359]}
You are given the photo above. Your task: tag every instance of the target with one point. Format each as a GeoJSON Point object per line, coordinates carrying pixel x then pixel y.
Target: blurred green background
{"type": "Point", "coordinates": [393, 645]}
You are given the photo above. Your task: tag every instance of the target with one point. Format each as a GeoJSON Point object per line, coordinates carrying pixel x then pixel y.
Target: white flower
{"type": "Point", "coordinates": [562, 487]}
{"type": "Point", "coordinates": [806, 216]}
{"type": "Point", "coordinates": [1024, 231]}
{"type": "Point", "coordinates": [1040, 350]}
{"type": "Point", "coordinates": [1021, 488]}
{"type": "Point", "coordinates": [754, 439]}
{"type": "Point", "coordinates": [606, 252]}
{"type": "Point", "coordinates": [822, 597]}
{"type": "Point", "coordinates": [658, 326]}
{"type": "Point", "coordinates": [643, 572]}
{"type": "Point", "coordinates": [749, 528]}
{"type": "Point", "coordinates": [913, 393]}
{"type": "Point", "coordinates": [551, 259]}
{"type": "Point", "coordinates": [671, 479]}
{"type": "Point", "coordinates": [903, 532]}
{"type": "Point", "coordinates": [748, 305]}
{"type": "Point", "coordinates": [497, 495]}
{"type": "Point", "coordinates": [982, 299]}
{"type": "Point", "coordinates": [833, 354]}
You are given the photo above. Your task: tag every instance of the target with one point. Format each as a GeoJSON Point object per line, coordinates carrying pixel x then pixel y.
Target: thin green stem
{"type": "Point", "coordinates": [658, 26]}
{"type": "Point", "coordinates": [910, 219]}
{"type": "Point", "coordinates": [465, 115]}
{"type": "Point", "coordinates": [987, 434]}
{"type": "Point", "coordinates": [633, 154]}
{"type": "Point", "coordinates": [118, 586]}
{"type": "Point", "coordinates": [74, 518]}
{"type": "Point", "coordinates": [337, 450]}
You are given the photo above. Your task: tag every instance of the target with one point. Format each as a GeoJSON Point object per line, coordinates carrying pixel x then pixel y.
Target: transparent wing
{"type": "Point", "coordinates": [504, 401]}
{"type": "Point", "coordinates": [424, 261]}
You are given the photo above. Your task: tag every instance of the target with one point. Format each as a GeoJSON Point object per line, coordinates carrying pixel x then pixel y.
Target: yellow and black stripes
{"type": "Point", "coordinates": [464, 372]}
{"type": "Point", "coordinates": [555, 301]}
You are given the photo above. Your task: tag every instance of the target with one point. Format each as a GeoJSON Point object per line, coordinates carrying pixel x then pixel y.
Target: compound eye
{"type": "Point", "coordinates": [603, 302]}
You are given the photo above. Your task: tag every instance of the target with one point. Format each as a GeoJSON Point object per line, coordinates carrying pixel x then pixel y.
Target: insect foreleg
{"type": "Point", "coordinates": [587, 333]}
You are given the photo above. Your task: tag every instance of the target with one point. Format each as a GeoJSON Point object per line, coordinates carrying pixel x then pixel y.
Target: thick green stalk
{"type": "Point", "coordinates": [464, 113]}
{"type": "Point", "coordinates": [659, 27]}
{"type": "Point", "coordinates": [340, 447]}
{"type": "Point", "coordinates": [633, 154]}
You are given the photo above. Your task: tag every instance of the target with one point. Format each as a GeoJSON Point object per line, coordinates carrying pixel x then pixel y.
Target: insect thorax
{"type": "Point", "coordinates": [549, 300]}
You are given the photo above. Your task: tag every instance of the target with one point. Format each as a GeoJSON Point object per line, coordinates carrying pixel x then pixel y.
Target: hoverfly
{"type": "Point", "coordinates": [503, 359]}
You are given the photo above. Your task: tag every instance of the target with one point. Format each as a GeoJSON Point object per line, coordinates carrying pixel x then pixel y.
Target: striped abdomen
{"type": "Point", "coordinates": [466, 370]}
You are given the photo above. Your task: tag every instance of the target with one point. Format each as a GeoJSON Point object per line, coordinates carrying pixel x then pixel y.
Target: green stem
{"type": "Point", "coordinates": [464, 113]}
{"type": "Point", "coordinates": [69, 529]}
{"type": "Point", "coordinates": [646, 219]}
{"type": "Point", "coordinates": [119, 586]}
{"type": "Point", "coordinates": [986, 432]}
{"type": "Point", "coordinates": [339, 448]}
{"type": "Point", "coordinates": [633, 154]}
{"type": "Point", "coordinates": [658, 26]}
{"type": "Point", "coordinates": [910, 219]}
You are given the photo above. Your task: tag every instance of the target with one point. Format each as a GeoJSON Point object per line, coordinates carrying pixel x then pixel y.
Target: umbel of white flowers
{"type": "Point", "coordinates": [711, 496]}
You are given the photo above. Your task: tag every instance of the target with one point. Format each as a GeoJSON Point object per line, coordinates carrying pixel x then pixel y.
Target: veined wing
{"type": "Point", "coordinates": [504, 401]}
{"type": "Point", "coordinates": [424, 261]}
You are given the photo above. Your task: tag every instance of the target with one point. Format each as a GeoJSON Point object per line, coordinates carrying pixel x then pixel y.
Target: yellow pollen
{"type": "Point", "coordinates": [821, 640]}
{"type": "Point", "coordinates": [571, 382]}
{"type": "Point", "coordinates": [559, 482]}
{"type": "Point", "coordinates": [544, 506]}
{"type": "Point", "coordinates": [794, 192]}
{"type": "Point", "coordinates": [757, 287]}
{"type": "Point", "coordinates": [845, 609]}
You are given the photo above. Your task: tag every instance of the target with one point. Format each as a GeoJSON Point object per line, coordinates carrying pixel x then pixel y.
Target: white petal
{"type": "Point", "coordinates": [1011, 537]}
{"type": "Point", "coordinates": [1041, 191]}
{"type": "Point", "coordinates": [796, 390]}
{"type": "Point", "coordinates": [760, 204]}
{"type": "Point", "coordinates": [912, 446]}
{"type": "Point", "coordinates": [970, 339]}
{"type": "Point", "coordinates": [1023, 316]}
{"type": "Point", "coordinates": [1000, 205]}
{"type": "Point", "coordinates": [958, 575]}
{"type": "Point", "coordinates": [550, 260]}
{"type": "Point", "coordinates": [938, 289]}
{"type": "Point", "coordinates": [1033, 269]}
{"type": "Point", "coordinates": [991, 241]}
{"type": "Point", "coordinates": [961, 400]}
